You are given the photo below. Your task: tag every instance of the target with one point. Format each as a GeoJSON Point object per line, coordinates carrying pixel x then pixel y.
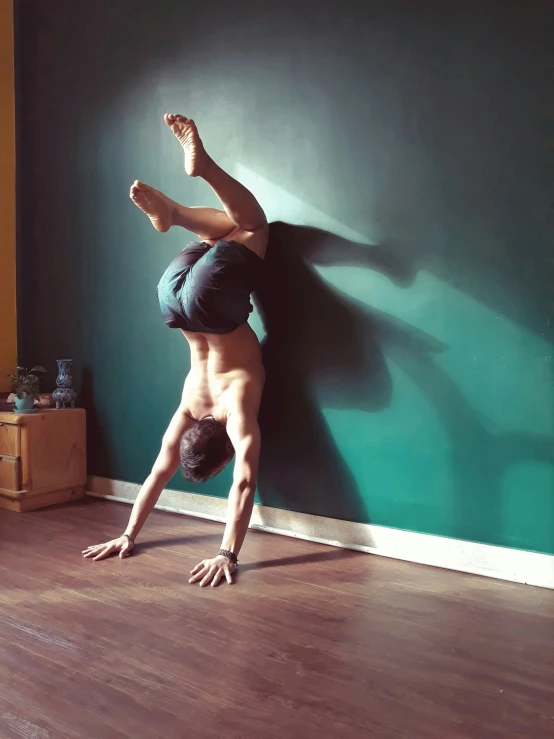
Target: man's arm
{"type": "Point", "coordinates": [164, 468]}
{"type": "Point", "coordinates": [244, 433]}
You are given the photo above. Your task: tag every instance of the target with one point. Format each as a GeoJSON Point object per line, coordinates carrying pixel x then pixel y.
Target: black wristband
{"type": "Point", "coordinates": [229, 555]}
{"type": "Point", "coordinates": [131, 540]}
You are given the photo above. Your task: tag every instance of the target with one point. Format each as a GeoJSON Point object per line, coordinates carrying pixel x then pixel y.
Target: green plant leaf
{"type": "Point", "coordinates": [38, 368]}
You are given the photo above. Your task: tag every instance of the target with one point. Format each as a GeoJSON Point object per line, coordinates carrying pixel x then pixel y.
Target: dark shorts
{"type": "Point", "coordinates": [207, 289]}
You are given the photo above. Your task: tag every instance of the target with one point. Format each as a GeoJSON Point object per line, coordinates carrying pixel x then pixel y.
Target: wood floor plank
{"type": "Point", "coordinates": [311, 641]}
{"type": "Point", "coordinates": [323, 661]}
{"type": "Point", "coordinates": [239, 655]}
{"type": "Point", "coordinates": [185, 535]}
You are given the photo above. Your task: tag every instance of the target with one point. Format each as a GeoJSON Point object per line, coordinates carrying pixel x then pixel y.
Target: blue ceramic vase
{"type": "Point", "coordinates": [65, 395]}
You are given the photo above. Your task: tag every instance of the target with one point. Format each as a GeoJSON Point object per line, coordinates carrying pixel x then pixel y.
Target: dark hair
{"type": "Point", "coordinates": [205, 446]}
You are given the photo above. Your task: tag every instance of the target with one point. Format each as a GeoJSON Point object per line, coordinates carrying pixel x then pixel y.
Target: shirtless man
{"type": "Point", "coordinates": [205, 292]}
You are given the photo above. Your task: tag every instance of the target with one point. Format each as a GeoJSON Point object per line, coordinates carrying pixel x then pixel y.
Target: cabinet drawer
{"type": "Point", "coordinates": [9, 473]}
{"type": "Point", "coordinates": [9, 439]}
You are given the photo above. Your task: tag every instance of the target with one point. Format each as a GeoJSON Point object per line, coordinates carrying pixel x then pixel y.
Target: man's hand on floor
{"type": "Point", "coordinates": [210, 571]}
{"type": "Point", "coordinates": [123, 545]}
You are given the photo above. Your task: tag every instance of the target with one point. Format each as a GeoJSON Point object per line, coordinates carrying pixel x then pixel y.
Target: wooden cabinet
{"type": "Point", "coordinates": [42, 458]}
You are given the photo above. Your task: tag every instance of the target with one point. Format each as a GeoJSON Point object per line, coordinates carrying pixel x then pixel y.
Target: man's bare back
{"type": "Point", "coordinates": [206, 293]}
{"type": "Point", "coordinates": [226, 372]}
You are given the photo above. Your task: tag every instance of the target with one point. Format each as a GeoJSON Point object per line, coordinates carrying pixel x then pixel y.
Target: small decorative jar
{"type": "Point", "coordinates": [64, 395]}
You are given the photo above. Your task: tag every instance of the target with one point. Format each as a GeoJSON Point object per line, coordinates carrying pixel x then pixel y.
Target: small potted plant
{"type": "Point", "coordinates": [25, 386]}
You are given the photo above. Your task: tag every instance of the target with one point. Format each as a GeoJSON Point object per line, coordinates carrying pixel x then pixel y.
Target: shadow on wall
{"type": "Point", "coordinates": [324, 350]}
{"type": "Point", "coordinates": [320, 351]}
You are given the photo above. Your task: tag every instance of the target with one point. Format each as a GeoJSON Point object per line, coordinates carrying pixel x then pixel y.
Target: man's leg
{"type": "Point", "coordinates": [240, 205]}
{"type": "Point", "coordinates": [209, 223]}
{"type": "Point", "coordinates": [242, 210]}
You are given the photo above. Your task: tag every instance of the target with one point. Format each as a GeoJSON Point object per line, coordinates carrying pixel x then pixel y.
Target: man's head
{"type": "Point", "coordinates": [205, 450]}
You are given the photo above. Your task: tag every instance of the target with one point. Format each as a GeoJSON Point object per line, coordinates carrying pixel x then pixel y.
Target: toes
{"type": "Point", "coordinates": [138, 189]}
{"type": "Point", "coordinates": [175, 118]}
{"type": "Point", "coordinates": [181, 119]}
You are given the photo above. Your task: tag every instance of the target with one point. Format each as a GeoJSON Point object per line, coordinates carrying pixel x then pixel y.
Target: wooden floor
{"type": "Point", "coordinates": [310, 642]}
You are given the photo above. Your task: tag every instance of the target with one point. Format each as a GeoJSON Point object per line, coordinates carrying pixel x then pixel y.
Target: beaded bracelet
{"type": "Point", "coordinates": [229, 555]}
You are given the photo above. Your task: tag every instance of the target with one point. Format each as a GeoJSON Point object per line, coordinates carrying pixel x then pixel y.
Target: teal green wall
{"type": "Point", "coordinates": [402, 151]}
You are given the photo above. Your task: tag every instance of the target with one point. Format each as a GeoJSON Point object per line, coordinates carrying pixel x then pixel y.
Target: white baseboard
{"type": "Point", "coordinates": [502, 563]}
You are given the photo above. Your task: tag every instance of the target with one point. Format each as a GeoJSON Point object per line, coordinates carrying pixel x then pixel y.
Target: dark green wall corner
{"type": "Point", "coordinates": [404, 158]}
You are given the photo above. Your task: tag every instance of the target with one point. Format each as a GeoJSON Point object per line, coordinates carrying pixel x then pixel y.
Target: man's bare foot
{"type": "Point", "coordinates": [157, 206]}
{"type": "Point", "coordinates": [186, 132]}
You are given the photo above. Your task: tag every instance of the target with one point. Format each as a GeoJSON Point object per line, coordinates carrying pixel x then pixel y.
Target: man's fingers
{"type": "Point", "coordinates": [208, 577]}
{"type": "Point", "coordinates": [96, 548]}
{"type": "Point", "coordinates": [104, 552]}
{"type": "Point", "coordinates": [125, 549]}
{"type": "Point", "coordinates": [217, 577]}
{"type": "Point", "coordinates": [211, 572]}
{"type": "Point", "coordinates": [199, 575]}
